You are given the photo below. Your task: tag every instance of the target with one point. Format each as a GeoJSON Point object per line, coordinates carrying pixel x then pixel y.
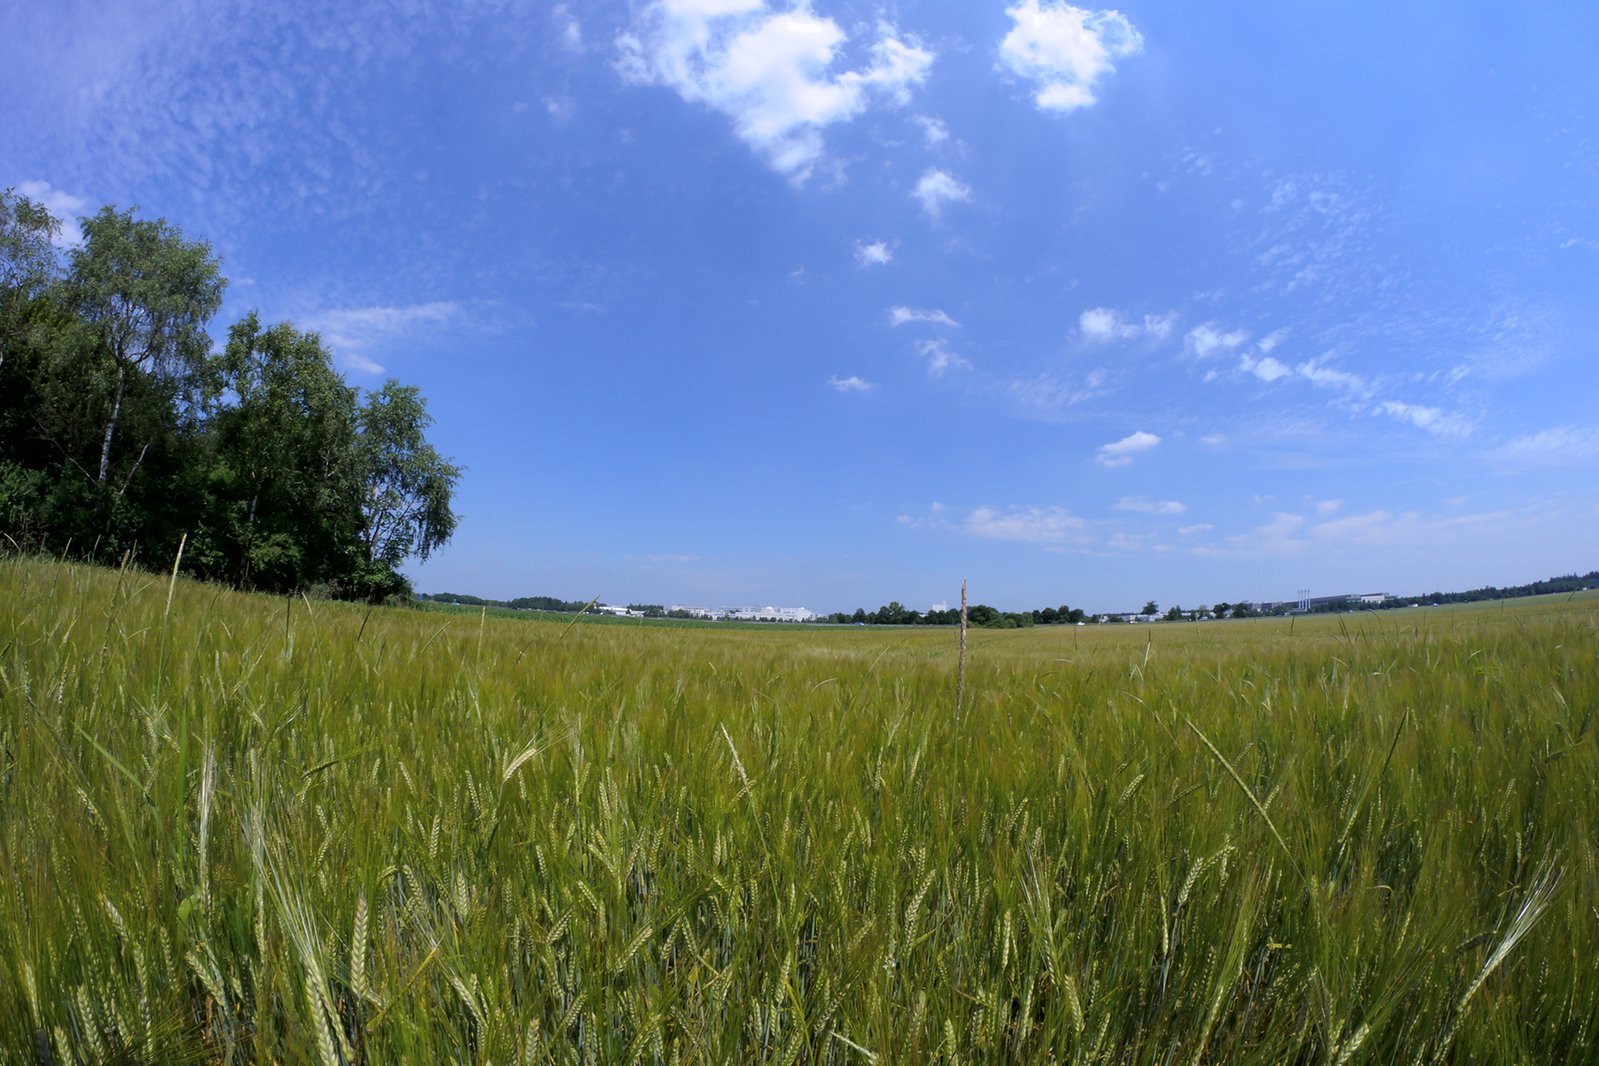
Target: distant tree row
{"type": "Point", "coordinates": [521, 603]}
{"type": "Point", "coordinates": [980, 615]}
{"type": "Point", "coordinates": [124, 429]}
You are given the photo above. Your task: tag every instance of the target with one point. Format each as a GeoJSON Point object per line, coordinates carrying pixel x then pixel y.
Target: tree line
{"type": "Point", "coordinates": [125, 431]}
{"type": "Point", "coordinates": [981, 615]}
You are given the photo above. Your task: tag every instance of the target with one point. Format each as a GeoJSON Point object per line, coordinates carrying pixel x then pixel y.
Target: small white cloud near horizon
{"type": "Point", "coordinates": [1029, 525]}
{"type": "Point", "coordinates": [770, 72]}
{"type": "Point", "coordinates": [900, 316]}
{"type": "Point", "coordinates": [1144, 505]}
{"type": "Point", "coordinates": [940, 359]}
{"type": "Point", "coordinates": [938, 188]}
{"type": "Point", "coordinates": [1122, 452]}
{"type": "Point", "coordinates": [873, 253]}
{"type": "Point", "coordinates": [63, 207]}
{"type": "Point", "coordinates": [1063, 50]}
{"type": "Point", "coordinates": [850, 384]}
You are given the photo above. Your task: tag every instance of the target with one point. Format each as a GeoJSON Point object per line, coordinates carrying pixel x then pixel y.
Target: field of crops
{"type": "Point", "coordinates": [238, 829]}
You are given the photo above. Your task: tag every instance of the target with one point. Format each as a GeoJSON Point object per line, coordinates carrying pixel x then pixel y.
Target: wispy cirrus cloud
{"type": "Point", "coordinates": [1121, 452]}
{"type": "Point", "coordinates": [1029, 525]}
{"type": "Point", "coordinates": [1064, 50]}
{"type": "Point", "coordinates": [355, 334]}
{"type": "Point", "coordinates": [1434, 420]}
{"type": "Point", "coordinates": [850, 384]}
{"type": "Point", "coordinates": [1560, 446]}
{"type": "Point", "coordinates": [770, 72]}
{"type": "Point", "coordinates": [900, 316]}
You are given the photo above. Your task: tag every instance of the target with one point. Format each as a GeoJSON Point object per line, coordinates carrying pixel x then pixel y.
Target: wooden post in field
{"type": "Point", "coordinates": [960, 669]}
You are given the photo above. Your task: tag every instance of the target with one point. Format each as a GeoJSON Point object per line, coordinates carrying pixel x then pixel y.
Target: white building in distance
{"type": "Point", "coordinates": [751, 614]}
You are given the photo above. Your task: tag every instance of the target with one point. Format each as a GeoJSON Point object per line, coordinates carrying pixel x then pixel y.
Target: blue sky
{"type": "Point", "coordinates": [827, 304]}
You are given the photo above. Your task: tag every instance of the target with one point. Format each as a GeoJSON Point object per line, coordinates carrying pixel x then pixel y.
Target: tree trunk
{"type": "Point", "coordinates": [110, 429]}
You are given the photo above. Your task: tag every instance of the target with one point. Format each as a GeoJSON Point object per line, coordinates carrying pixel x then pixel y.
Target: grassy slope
{"type": "Point", "coordinates": [258, 831]}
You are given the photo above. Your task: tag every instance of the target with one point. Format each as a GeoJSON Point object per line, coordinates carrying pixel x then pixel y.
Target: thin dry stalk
{"type": "Point", "coordinates": [960, 669]}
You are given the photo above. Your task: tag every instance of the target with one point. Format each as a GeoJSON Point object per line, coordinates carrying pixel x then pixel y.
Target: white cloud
{"type": "Point", "coordinates": [1208, 338]}
{"type": "Point", "coordinates": [850, 384]}
{"type": "Point", "coordinates": [1432, 419]}
{"type": "Point", "coordinates": [770, 72]}
{"type": "Point", "coordinates": [937, 188]}
{"type": "Point", "coordinates": [567, 28]}
{"type": "Point", "coordinates": [1032, 525]}
{"type": "Point", "coordinates": [934, 132]}
{"type": "Point", "coordinates": [1558, 446]}
{"type": "Point", "coordinates": [1195, 529]}
{"type": "Point", "coordinates": [1328, 506]}
{"type": "Point", "coordinates": [1047, 394]}
{"type": "Point", "coordinates": [873, 253]}
{"type": "Point", "coordinates": [1064, 50]}
{"type": "Point", "coordinates": [1107, 324]}
{"type": "Point", "coordinates": [351, 333]}
{"type": "Point", "coordinates": [360, 363]}
{"type": "Point", "coordinates": [1327, 378]}
{"type": "Point", "coordinates": [1271, 340]}
{"type": "Point", "coordinates": [1122, 452]}
{"type": "Point", "coordinates": [900, 316]}
{"type": "Point", "coordinates": [1214, 440]}
{"type": "Point", "coordinates": [63, 207]}
{"type": "Point", "coordinates": [940, 358]}
{"type": "Point", "coordinates": [1143, 505]}
{"type": "Point", "coordinates": [1267, 369]}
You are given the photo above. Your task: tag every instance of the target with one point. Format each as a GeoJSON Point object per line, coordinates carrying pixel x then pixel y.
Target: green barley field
{"type": "Point", "coordinates": [239, 829]}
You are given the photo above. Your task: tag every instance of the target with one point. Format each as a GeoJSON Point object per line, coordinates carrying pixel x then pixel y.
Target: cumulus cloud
{"type": "Point", "coordinates": [1063, 50]}
{"type": "Point", "coordinates": [938, 188]}
{"type": "Point", "coordinates": [1031, 525]}
{"type": "Point", "coordinates": [940, 359]}
{"type": "Point", "coordinates": [850, 384]}
{"type": "Point", "coordinates": [1122, 452]}
{"type": "Point", "coordinates": [1266, 369]}
{"type": "Point", "coordinates": [900, 316]}
{"type": "Point", "coordinates": [351, 333]}
{"type": "Point", "coordinates": [1143, 505]}
{"type": "Point", "coordinates": [1107, 324]}
{"type": "Point", "coordinates": [771, 73]}
{"type": "Point", "coordinates": [63, 207]}
{"type": "Point", "coordinates": [873, 253]}
{"type": "Point", "coordinates": [1209, 338]}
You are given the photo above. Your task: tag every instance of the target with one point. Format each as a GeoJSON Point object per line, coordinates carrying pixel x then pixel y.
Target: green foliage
{"type": "Point", "coordinates": [405, 484]}
{"type": "Point", "coordinates": [121, 431]}
{"type": "Point", "coordinates": [241, 829]}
